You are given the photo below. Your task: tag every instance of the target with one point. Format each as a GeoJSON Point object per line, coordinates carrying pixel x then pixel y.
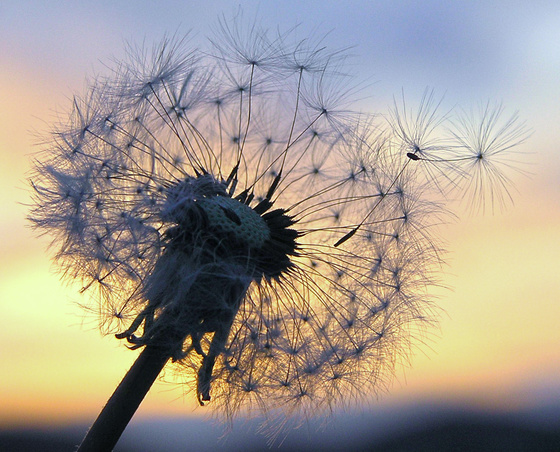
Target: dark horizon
{"type": "Point", "coordinates": [421, 427]}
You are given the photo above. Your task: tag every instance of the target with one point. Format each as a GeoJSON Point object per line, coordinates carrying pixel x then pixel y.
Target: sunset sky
{"type": "Point", "coordinates": [498, 345]}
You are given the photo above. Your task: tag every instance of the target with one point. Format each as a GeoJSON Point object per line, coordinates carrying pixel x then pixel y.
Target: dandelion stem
{"type": "Point", "coordinates": [115, 416]}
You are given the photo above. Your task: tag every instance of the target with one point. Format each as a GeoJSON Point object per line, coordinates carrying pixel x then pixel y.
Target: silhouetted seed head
{"type": "Point", "coordinates": [230, 208]}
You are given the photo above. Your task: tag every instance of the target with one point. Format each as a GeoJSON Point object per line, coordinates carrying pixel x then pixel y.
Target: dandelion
{"type": "Point", "coordinates": [230, 215]}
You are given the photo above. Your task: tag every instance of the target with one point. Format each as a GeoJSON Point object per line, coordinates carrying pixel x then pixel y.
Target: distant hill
{"type": "Point", "coordinates": [421, 428]}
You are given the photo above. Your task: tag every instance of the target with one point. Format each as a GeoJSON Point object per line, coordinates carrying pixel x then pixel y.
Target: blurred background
{"type": "Point", "coordinates": [492, 369]}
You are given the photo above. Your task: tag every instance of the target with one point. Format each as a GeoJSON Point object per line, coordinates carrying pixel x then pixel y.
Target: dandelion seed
{"type": "Point", "coordinates": [486, 143]}
{"type": "Point", "coordinates": [238, 220]}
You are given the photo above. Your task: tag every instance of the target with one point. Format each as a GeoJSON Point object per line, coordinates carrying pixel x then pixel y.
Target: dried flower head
{"type": "Point", "coordinates": [232, 210]}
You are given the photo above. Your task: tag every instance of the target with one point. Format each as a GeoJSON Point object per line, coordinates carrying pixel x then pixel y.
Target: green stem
{"type": "Point", "coordinates": [115, 416]}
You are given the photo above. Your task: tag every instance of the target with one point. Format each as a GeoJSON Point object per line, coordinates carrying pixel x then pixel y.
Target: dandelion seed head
{"type": "Point", "coordinates": [230, 207]}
